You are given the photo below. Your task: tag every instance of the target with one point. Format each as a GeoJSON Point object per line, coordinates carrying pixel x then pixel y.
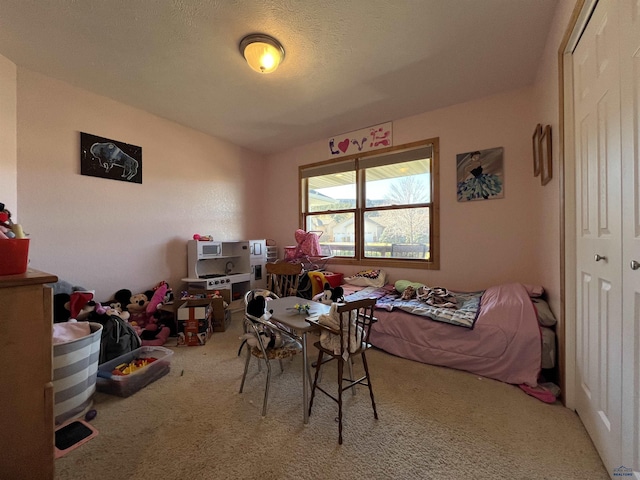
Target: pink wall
{"type": "Point", "coordinates": [546, 110]}
{"type": "Point", "coordinates": [8, 147]}
{"type": "Point", "coordinates": [105, 234]}
{"type": "Point", "coordinates": [484, 242]}
{"type": "Point", "coordinates": [108, 235]}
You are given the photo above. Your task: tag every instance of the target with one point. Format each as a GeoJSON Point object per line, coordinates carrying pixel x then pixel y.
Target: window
{"type": "Point", "coordinates": [377, 208]}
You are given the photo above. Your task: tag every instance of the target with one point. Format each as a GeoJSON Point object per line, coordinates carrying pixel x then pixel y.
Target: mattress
{"type": "Point", "coordinates": [505, 343]}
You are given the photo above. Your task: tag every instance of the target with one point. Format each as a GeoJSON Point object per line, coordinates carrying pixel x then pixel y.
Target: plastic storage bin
{"type": "Point", "coordinates": [126, 385]}
{"type": "Point", "coordinates": [14, 256]}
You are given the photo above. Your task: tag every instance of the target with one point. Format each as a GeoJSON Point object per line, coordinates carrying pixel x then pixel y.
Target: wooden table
{"type": "Point", "coordinates": [284, 313]}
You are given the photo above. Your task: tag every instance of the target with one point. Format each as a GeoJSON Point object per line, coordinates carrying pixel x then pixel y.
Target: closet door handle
{"type": "Point", "coordinates": [634, 265]}
{"type": "Point", "coordinates": [599, 257]}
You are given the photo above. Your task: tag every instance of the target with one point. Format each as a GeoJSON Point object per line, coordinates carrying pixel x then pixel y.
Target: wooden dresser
{"type": "Point", "coordinates": [26, 388]}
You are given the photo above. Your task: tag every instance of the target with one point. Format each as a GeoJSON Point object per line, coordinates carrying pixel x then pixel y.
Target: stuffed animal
{"type": "Point", "coordinates": [257, 307]}
{"type": "Point", "coordinates": [115, 308]}
{"type": "Point", "coordinates": [60, 311]}
{"type": "Point", "coordinates": [408, 293]}
{"type": "Point", "coordinates": [168, 293]}
{"type": "Point", "coordinates": [86, 312]}
{"type": "Point", "coordinates": [79, 305]}
{"type": "Point", "coordinates": [6, 225]}
{"type": "Point", "coordinates": [330, 295]}
{"type": "Point", "coordinates": [142, 308]}
{"type": "Point", "coordinates": [123, 297]}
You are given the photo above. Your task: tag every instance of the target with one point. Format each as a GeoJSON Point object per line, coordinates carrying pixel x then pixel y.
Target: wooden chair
{"type": "Point", "coordinates": [345, 334]}
{"type": "Point", "coordinates": [264, 331]}
{"type": "Point", "coordinates": [283, 278]}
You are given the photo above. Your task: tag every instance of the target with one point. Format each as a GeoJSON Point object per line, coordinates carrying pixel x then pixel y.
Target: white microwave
{"type": "Point", "coordinates": [202, 250]}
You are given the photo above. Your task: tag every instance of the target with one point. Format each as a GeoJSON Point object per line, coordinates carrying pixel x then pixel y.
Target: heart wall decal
{"type": "Point", "coordinates": [344, 145]}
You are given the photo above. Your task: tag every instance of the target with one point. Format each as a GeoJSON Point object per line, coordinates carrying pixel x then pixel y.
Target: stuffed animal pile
{"type": "Point", "coordinates": [143, 313]}
{"type": "Point", "coordinates": [8, 229]}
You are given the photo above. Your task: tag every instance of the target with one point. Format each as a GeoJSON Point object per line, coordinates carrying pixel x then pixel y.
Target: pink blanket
{"type": "Point", "coordinates": [505, 343]}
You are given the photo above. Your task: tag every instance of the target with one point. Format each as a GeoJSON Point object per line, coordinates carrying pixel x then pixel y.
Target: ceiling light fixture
{"type": "Point", "coordinates": [262, 52]}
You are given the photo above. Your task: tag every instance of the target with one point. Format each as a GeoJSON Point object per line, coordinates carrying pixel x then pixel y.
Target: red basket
{"type": "Point", "coordinates": [14, 256]}
{"type": "Point", "coordinates": [334, 279]}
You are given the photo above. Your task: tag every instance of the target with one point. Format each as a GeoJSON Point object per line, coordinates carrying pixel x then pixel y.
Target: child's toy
{"type": "Point", "coordinates": [80, 304]}
{"type": "Point", "coordinates": [257, 307]}
{"type": "Point", "coordinates": [330, 295]}
{"type": "Point", "coordinates": [136, 364]}
{"type": "Point", "coordinates": [9, 229]}
{"type": "Point", "coordinates": [115, 308]}
{"type": "Point", "coordinates": [5, 223]}
{"type": "Point", "coordinates": [123, 297]}
{"type": "Point", "coordinates": [203, 238]}
{"type": "Point", "coordinates": [168, 293]}
{"type": "Point", "coordinates": [408, 293]}
{"type": "Point", "coordinates": [60, 310]}
{"type": "Point", "coordinates": [142, 308]}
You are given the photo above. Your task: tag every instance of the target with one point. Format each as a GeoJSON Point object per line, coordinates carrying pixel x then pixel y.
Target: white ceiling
{"type": "Point", "coordinates": [349, 64]}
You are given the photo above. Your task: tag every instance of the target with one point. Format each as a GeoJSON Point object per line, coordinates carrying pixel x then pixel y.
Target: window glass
{"type": "Point", "coordinates": [397, 233]}
{"type": "Point", "coordinates": [336, 191]}
{"type": "Point", "coordinates": [405, 183]}
{"type": "Point", "coordinates": [338, 233]}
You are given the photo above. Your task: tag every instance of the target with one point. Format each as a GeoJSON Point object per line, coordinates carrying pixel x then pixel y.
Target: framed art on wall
{"type": "Point", "coordinates": [106, 158]}
{"type": "Point", "coordinates": [537, 133]}
{"type": "Point", "coordinates": [480, 175]}
{"type": "Point", "coordinates": [546, 161]}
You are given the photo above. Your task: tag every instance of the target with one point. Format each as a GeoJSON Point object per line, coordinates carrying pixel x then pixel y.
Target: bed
{"type": "Point", "coordinates": [505, 340]}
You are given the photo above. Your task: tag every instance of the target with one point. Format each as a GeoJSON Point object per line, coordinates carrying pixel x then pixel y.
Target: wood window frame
{"type": "Point", "coordinates": [433, 263]}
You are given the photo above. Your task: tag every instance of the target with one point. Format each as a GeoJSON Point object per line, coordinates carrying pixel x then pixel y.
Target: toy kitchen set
{"type": "Point", "coordinates": [215, 265]}
{"type": "Point", "coordinates": [235, 266]}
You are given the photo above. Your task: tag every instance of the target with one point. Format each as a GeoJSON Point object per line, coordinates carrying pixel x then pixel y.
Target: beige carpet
{"type": "Point", "coordinates": [435, 423]}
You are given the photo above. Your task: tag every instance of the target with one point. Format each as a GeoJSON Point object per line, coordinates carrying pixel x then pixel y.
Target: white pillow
{"type": "Point", "coordinates": [367, 278]}
{"type": "Point", "coordinates": [545, 315]}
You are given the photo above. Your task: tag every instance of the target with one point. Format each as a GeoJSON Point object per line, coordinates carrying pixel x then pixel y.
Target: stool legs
{"type": "Point", "coordinates": [246, 367]}
{"type": "Point", "coordinates": [266, 389]}
{"type": "Point", "coordinates": [315, 381]}
{"type": "Point", "coordinates": [340, 370]}
{"type": "Point", "coordinates": [366, 371]}
{"type": "Point", "coordinates": [351, 384]}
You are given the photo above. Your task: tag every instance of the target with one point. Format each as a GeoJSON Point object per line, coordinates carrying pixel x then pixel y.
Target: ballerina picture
{"type": "Point", "coordinates": [480, 175]}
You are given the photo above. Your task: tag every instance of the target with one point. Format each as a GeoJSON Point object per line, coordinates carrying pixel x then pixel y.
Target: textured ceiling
{"type": "Point", "coordinates": [349, 63]}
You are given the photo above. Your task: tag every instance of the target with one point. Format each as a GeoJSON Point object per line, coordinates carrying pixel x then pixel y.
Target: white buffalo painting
{"type": "Point", "coordinates": [105, 158]}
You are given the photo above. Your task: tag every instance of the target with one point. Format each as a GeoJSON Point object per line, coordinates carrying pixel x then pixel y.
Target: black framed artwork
{"type": "Point", "coordinates": [106, 158]}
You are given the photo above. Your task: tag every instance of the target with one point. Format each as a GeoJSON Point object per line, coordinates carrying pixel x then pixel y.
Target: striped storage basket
{"type": "Point", "coordinates": [75, 367]}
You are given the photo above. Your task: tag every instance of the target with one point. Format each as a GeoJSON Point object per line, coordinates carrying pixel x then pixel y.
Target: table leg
{"type": "Point", "coordinates": [305, 380]}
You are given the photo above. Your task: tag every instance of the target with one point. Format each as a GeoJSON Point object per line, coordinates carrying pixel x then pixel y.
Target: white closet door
{"type": "Point", "coordinates": [598, 235]}
{"type": "Point", "coordinates": [630, 123]}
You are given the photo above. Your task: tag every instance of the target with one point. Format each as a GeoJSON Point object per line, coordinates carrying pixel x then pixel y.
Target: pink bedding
{"type": "Point", "coordinates": [505, 343]}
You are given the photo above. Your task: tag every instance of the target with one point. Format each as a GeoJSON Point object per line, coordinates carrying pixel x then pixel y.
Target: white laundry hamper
{"type": "Point", "coordinates": [75, 368]}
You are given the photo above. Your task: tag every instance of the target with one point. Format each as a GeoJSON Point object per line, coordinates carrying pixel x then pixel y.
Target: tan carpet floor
{"type": "Point", "coordinates": [434, 423]}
